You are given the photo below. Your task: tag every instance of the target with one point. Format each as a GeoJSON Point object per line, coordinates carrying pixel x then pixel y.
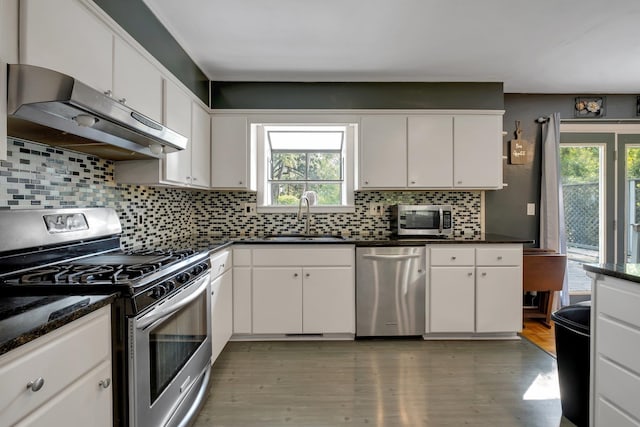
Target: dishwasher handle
{"type": "Point", "coordinates": [390, 257]}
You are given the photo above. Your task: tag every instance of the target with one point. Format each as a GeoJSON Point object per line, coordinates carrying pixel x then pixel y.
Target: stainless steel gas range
{"type": "Point", "coordinates": [161, 320]}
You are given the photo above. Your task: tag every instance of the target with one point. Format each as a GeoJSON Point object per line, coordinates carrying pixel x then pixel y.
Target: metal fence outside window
{"type": "Point", "coordinates": [581, 214]}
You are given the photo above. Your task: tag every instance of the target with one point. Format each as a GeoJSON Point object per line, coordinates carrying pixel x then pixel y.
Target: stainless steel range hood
{"type": "Point", "coordinates": [52, 108]}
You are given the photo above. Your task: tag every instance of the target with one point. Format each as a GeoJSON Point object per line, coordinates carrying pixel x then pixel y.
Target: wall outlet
{"type": "Point", "coordinates": [249, 209]}
{"type": "Point", "coordinates": [376, 209]}
{"type": "Point", "coordinates": [531, 208]}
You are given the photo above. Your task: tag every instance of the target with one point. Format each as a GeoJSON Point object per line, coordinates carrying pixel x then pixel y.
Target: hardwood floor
{"type": "Point", "coordinates": [383, 383]}
{"type": "Point", "coordinates": [540, 335]}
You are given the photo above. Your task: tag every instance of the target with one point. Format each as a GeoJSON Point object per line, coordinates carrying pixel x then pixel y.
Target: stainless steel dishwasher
{"type": "Point", "coordinates": [390, 291]}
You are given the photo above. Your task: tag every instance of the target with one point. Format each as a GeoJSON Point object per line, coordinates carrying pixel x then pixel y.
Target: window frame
{"type": "Point", "coordinates": [348, 166]}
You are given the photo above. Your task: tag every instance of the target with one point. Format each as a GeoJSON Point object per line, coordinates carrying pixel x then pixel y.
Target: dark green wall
{"type": "Point", "coordinates": [324, 95]}
{"type": "Point", "coordinates": [136, 18]}
{"type": "Point", "coordinates": [506, 209]}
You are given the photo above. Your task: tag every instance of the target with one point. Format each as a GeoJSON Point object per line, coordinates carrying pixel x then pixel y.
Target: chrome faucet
{"type": "Point", "coordinates": [308, 197]}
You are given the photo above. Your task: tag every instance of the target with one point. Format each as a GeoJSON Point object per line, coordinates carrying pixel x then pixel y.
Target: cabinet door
{"type": "Point", "coordinates": [328, 300]}
{"type": "Point", "coordinates": [241, 299]}
{"type": "Point", "coordinates": [200, 147]}
{"type": "Point", "coordinates": [498, 299]}
{"type": "Point", "coordinates": [230, 154]}
{"type": "Point", "coordinates": [384, 152]}
{"type": "Point", "coordinates": [430, 151]}
{"type": "Point", "coordinates": [136, 82]}
{"type": "Point", "coordinates": [86, 402]}
{"type": "Point", "coordinates": [177, 104]}
{"type": "Point", "coordinates": [277, 300]}
{"type": "Point", "coordinates": [477, 153]}
{"type": "Point", "coordinates": [452, 299]}
{"type": "Point", "coordinates": [221, 312]}
{"type": "Point", "coordinates": [65, 36]}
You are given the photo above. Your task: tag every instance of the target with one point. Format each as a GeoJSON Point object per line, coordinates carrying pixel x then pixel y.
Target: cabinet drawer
{"type": "Point", "coordinates": [60, 358]}
{"type": "Point", "coordinates": [619, 386]}
{"type": "Point", "coordinates": [242, 257]}
{"type": "Point", "coordinates": [619, 299]}
{"type": "Point", "coordinates": [83, 403]}
{"type": "Point", "coordinates": [618, 342]}
{"type": "Point", "coordinates": [452, 256]}
{"type": "Point", "coordinates": [220, 262]}
{"type": "Point", "coordinates": [496, 256]}
{"type": "Point", "coordinates": [296, 256]}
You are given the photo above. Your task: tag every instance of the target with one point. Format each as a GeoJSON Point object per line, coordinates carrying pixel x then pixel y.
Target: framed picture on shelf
{"type": "Point", "coordinates": [589, 107]}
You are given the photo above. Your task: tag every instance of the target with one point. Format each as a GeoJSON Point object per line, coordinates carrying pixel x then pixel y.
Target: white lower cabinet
{"type": "Point", "coordinates": [69, 371]}
{"type": "Point", "coordinates": [277, 300]}
{"type": "Point", "coordinates": [498, 299]}
{"type": "Point", "coordinates": [294, 289]}
{"type": "Point", "coordinates": [221, 302]}
{"type": "Point", "coordinates": [474, 290]}
{"type": "Point", "coordinates": [328, 300]}
{"type": "Point", "coordinates": [615, 345]}
{"type": "Point", "coordinates": [241, 291]}
{"type": "Point", "coordinates": [452, 284]}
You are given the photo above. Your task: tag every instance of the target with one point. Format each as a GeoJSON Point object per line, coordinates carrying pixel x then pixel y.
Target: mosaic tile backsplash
{"type": "Point", "coordinates": [36, 176]}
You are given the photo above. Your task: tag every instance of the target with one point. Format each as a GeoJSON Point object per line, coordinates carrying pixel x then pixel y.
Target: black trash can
{"type": "Point", "coordinates": [572, 327]}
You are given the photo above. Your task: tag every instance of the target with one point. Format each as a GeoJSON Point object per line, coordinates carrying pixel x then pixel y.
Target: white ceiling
{"type": "Point", "coordinates": [533, 46]}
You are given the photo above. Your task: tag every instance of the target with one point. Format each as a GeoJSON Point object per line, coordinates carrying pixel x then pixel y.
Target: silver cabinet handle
{"type": "Point", "coordinates": [108, 93]}
{"type": "Point", "coordinates": [105, 383]}
{"type": "Point", "coordinates": [36, 384]}
{"type": "Point", "coordinates": [122, 100]}
{"type": "Point", "coordinates": [499, 258]}
{"type": "Point", "coordinates": [459, 182]}
{"type": "Point", "coordinates": [484, 274]}
{"type": "Point", "coordinates": [366, 182]}
{"type": "Point", "coordinates": [469, 274]}
{"type": "Point", "coordinates": [295, 274]}
{"type": "Point", "coordinates": [307, 275]}
{"type": "Point", "coordinates": [195, 179]}
{"type": "Point", "coordinates": [420, 270]}
{"type": "Point", "coordinates": [413, 182]}
{"type": "Point", "coordinates": [453, 258]}
{"type": "Point", "coordinates": [239, 182]}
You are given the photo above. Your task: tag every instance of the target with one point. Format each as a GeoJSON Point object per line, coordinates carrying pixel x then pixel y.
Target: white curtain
{"type": "Point", "coordinates": [552, 229]}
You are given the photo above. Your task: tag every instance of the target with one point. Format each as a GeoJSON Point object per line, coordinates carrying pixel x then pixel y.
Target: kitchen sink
{"type": "Point", "coordinates": [305, 238]}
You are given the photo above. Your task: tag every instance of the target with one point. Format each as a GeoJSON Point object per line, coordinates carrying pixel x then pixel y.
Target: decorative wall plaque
{"type": "Point", "coordinates": [519, 149]}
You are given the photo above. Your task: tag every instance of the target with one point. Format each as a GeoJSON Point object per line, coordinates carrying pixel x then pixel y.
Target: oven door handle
{"type": "Point", "coordinates": [164, 311]}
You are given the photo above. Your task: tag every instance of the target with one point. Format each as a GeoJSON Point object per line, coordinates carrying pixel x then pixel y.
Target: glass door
{"type": "Point", "coordinates": [629, 195]}
{"type": "Point", "coordinates": [587, 184]}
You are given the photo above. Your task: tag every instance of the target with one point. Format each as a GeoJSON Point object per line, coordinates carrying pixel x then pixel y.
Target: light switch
{"type": "Point", "coordinates": [531, 208]}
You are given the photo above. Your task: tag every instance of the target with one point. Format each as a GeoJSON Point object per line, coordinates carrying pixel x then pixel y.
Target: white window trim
{"type": "Point", "coordinates": [349, 166]}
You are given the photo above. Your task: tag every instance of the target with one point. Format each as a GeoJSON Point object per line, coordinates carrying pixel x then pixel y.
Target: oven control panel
{"type": "Point", "coordinates": [159, 290]}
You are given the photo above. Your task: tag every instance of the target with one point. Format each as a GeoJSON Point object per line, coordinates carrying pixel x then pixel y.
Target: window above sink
{"type": "Point", "coordinates": [294, 158]}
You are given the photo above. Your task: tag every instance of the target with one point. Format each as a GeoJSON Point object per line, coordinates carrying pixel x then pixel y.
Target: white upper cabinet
{"type": "Point", "coordinates": [64, 35]}
{"type": "Point", "coordinates": [177, 106]}
{"type": "Point", "coordinates": [69, 37]}
{"type": "Point", "coordinates": [200, 147]}
{"type": "Point", "coordinates": [232, 157]}
{"type": "Point", "coordinates": [430, 151]}
{"type": "Point", "coordinates": [383, 151]}
{"type": "Point", "coordinates": [8, 55]}
{"type": "Point", "coordinates": [477, 151]}
{"type": "Point", "coordinates": [136, 82]}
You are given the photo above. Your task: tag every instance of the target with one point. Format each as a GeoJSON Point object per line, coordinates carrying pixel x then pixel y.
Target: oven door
{"type": "Point", "coordinates": [169, 357]}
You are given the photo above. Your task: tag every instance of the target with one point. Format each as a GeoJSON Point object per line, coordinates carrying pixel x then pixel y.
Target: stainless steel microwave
{"type": "Point", "coordinates": [421, 220]}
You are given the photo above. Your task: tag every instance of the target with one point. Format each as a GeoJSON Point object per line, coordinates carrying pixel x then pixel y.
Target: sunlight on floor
{"type": "Point", "coordinates": [544, 387]}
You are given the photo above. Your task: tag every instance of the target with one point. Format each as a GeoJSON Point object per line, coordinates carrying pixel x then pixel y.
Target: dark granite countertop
{"type": "Point", "coordinates": [370, 240]}
{"type": "Point", "coordinates": [630, 272]}
{"type": "Point", "coordinates": [23, 319]}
